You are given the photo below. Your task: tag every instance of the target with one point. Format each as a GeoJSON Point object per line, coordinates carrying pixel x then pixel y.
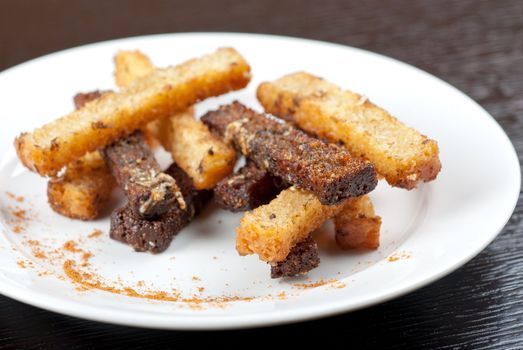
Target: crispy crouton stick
{"type": "Point", "coordinates": [156, 235]}
{"type": "Point", "coordinates": [327, 170]}
{"type": "Point", "coordinates": [149, 190]}
{"type": "Point", "coordinates": [302, 258]}
{"type": "Point", "coordinates": [83, 189]}
{"type": "Point", "coordinates": [400, 154]}
{"type": "Point", "coordinates": [356, 226]}
{"type": "Point", "coordinates": [130, 66]}
{"type": "Point", "coordinates": [86, 184]}
{"type": "Point", "coordinates": [165, 92]}
{"type": "Point", "coordinates": [272, 230]}
{"type": "Point", "coordinates": [247, 188]}
{"type": "Point", "coordinates": [205, 157]}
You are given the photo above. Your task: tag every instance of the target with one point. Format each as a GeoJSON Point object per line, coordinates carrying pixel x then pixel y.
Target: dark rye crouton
{"type": "Point", "coordinates": [156, 235]}
{"type": "Point", "coordinates": [326, 170]}
{"type": "Point", "coordinates": [247, 188]}
{"type": "Point", "coordinates": [150, 191]}
{"type": "Point", "coordinates": [302, 258]}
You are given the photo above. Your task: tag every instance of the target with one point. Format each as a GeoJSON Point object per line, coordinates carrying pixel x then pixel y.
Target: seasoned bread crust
{"type": "Point", "coordinates": [83, 189]}
{"type": "Point", "coordinates": [357, 226]}
{"type": "Point", "coordinates": [83, 98]}
{"type": "Point", "coordinates": [155, 235]}
{"type": "Point", "coordinates": [205, 157]}
{"type": "Point", "coordinates": [272, 230]}
{"type": "Point", "coordinates": [150, 191]}
{"type": "Point", "coordinates": [248, 188]}
{"type": "Point", "coordinates": [326, 170]}
{"type": "Point", "coordinates": [302, 258]}
{"type": "Point", "coordinates": [131, 65]}
{"type": "Point", "coordinates": [400, 154]}
{"type": "Point", "coordinates": [164, 92]}
{"type": "Point", "coordinates": [86, 184]}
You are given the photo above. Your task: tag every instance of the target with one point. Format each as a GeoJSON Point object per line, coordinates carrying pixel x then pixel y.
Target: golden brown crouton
{"type": "Point", "coordinates": [272, 230]}
{"type": "Point", "coordinates": [84, 188]}
{"type": "Point", "coordinates": [400, 154]}
{"type": "Point", "coordinates": [356, 226]}
{"type": "Point", "coordinates": [203, 156]}
{"type": "Point", "coordinates": [160, 94]}
{"type": "Point", "coordinates": [86, 184]}
{"type": "Point", "coordinates": [131, 65]}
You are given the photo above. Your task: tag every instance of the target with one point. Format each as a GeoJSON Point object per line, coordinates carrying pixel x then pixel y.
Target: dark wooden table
{"type": "Point", "coordinates": [475, 45]}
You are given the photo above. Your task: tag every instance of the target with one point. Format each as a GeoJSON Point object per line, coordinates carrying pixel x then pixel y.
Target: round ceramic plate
{"type": "Point", "coordinates": [201, 282]}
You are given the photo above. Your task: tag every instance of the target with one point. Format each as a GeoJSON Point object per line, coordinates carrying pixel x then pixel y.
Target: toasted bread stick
{"type": "Point", "coordinates": [83, 189]}
{"type": "Point", "coordinates": [130, 66]}
{"type": "Point", "coordinates": [272, 230]}
{"type": "Point", "coordinates": [156, 235]}
{"type": "Point", "coordinates": [326, 170]}
{"type": "Point", "coordinates": [356, 226]}
{"type": "Point", "coordinates": [163, 93]}
{"type": "Point", "coordinates": [400, 154]}
{"type": "Point", "coordinates": [150, 191]}
{"type": "Point", "coordinates": [202, 155]}
{"type": "Point", "coordinates": [86, 184]}
{"type": "Point", "coordinates": [302, 258]}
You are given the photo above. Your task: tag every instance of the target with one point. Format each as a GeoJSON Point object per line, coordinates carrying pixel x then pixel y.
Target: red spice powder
{"type": "Point", "coordinates": [95, 233]}
{"type": "Point", "coordinates": [71, 246]}
{"type": "Point", "coordinates": [37, 253]}
{"type": "Point", "coordinates": [19, 214]}
{"type": "Point", "coordinates": [316, 284]}
{"type": "Point", "coordinates": [85, 258]}
{"type": "Point", "coordinates": [76, 269]}
{"type": "Point", "coordinates": [18, 219]}
{"type": "Point", "coordinates": [398, 256]}
{"type": "Point", "coordinates": [90, 281]}
{"type": "Point", "coordinates": [19, 199]}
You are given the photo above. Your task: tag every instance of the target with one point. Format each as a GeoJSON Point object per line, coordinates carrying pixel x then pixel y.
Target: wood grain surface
{"type": "Point", "coordinates": [475, 45]}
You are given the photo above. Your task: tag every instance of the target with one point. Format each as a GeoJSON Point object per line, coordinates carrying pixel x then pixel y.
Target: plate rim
{"type": "Point", "coordinates": [209, 322]}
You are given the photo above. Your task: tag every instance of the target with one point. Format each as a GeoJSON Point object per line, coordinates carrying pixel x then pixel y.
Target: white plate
{"type": "Point", "coordinates": [426, 234]}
